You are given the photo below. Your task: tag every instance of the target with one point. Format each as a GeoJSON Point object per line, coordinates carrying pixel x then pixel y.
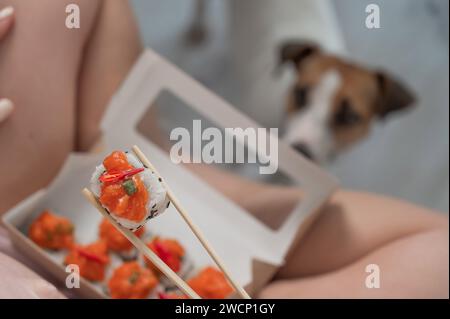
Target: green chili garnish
{"type": "Point", "coordinates": [134, 277]}
{"type": "Point", "coordinates": [48, 236]}
{"type": "Point", "coordinates": [129, 186]}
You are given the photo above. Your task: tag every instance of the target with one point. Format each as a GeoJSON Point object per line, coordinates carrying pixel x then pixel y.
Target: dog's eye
{"type": "Point", "coordinates": [301, 96]}
{"type": "Point", "coordinates": [346, 116]}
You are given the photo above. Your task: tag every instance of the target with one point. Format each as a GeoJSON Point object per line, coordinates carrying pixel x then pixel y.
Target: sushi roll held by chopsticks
{"type": "Point", "coordinates": [128, 188]}
{"type": "Point", "coordinates": [129, 191]}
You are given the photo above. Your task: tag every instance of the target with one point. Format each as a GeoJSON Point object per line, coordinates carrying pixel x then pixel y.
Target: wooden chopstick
{"type": "Point", "coordinates": [141, 247]}
{"type": "Point", "coordinates": [192, 226]}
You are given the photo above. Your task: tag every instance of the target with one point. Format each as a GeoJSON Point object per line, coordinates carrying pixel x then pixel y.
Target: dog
{"type": "Point", "coordinates": [333, 102]}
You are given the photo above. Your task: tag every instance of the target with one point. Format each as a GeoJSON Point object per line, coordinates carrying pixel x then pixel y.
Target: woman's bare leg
{"type": "Point", "coordinates": [39, 66]}
{"type": "Point", "coordinates": [113, 47]}
{"type": "Point", "coordinates": [407, 242]}
{"type": "Point", "coordinates": [414, 266]}
{"type": "Point", "coordinates": [60, 80]}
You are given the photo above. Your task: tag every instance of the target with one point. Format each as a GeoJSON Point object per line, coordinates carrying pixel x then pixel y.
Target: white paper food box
{"type": "Point", "coordinates": [251, 250]}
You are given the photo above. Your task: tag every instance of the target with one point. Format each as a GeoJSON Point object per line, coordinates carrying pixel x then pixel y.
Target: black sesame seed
{"type": "Point", "coordinates": [159, 179]}
{"type": "Point", "coordinates": [168, 203]}
{"type": "Point", "coordinates": [154, 205]}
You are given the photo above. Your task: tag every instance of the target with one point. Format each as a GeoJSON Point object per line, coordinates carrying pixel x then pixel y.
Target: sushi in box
{"type": "Point", "coordinates": [250, 250]}
{"type": "Point", "coordinates": [172, 252]}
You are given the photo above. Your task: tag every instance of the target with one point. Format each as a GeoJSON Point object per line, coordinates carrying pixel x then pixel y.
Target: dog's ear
{"type": "Point", "coordinates": [392, 95]}
{"type": "Point", "coordinates": [297, 52]}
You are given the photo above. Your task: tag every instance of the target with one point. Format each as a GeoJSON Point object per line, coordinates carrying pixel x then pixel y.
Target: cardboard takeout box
{"type": "Point", "coordinates": [251, 250]}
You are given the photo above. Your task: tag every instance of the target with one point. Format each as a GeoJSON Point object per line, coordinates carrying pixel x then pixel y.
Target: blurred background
{"type": "Point", "coordinates": [406, 156]}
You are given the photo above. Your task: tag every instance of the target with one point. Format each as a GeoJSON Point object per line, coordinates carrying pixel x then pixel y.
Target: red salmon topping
{"type": "Point", "coordinates": [123, 192]}
{"type": "Point", "coordinates": [132, 281]}
{"type": "Point", "coordinates": [117, 161]}
{"type": "Point", "coordinates": [52, 231]}
{"type": "Point", "coordinates": [170, 252]}
{"type": "Point", "coordinates": [210, 283]}
{"type": "Point", "coordinates": [114, 238]}
{"type": "Point", "coordinates": [91, 256]}
{"type": "Point", "coordinates": [92, 260]}
{"type": "Point", "coordinates": [162, 295]}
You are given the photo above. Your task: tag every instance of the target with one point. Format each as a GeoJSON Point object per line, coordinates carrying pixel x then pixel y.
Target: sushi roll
{"type": "Point", "coordinates": [116, 241]}
{"type": "Point", "coordinates": [210, 283]}
{"type": "Point", "coordinates": [91, 259]}
{"type": "Point", "coordinates": [172, 254]}
{"type": "Point", "coordinates": [131, 281]}
{"type": "Point", "coordinates": [130, 192]}
{"type": "Point", "coordinates": [52, 231]}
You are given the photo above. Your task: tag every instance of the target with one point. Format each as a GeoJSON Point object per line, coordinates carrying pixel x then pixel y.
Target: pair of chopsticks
{"type": "Point", "coordinates": [147, 252]}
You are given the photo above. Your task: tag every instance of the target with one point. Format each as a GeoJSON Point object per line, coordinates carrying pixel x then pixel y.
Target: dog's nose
{"type": "Point", "coordinates": [304, 150]}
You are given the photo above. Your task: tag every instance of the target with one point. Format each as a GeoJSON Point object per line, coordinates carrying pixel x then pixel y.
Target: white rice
{"type": "Point", "coordinates": [159, 200]}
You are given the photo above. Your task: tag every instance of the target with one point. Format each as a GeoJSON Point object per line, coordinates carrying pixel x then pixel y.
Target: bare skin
{"type": "Point", "coordinates": [61, 80]}
{"type": "Point", "coordinates": [68, 76]}
{"type": "Point", "coordinates": [408, 243]}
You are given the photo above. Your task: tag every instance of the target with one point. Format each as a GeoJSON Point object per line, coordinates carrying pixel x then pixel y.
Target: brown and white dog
{"type": "Point", "coordinates": [333, 103]}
